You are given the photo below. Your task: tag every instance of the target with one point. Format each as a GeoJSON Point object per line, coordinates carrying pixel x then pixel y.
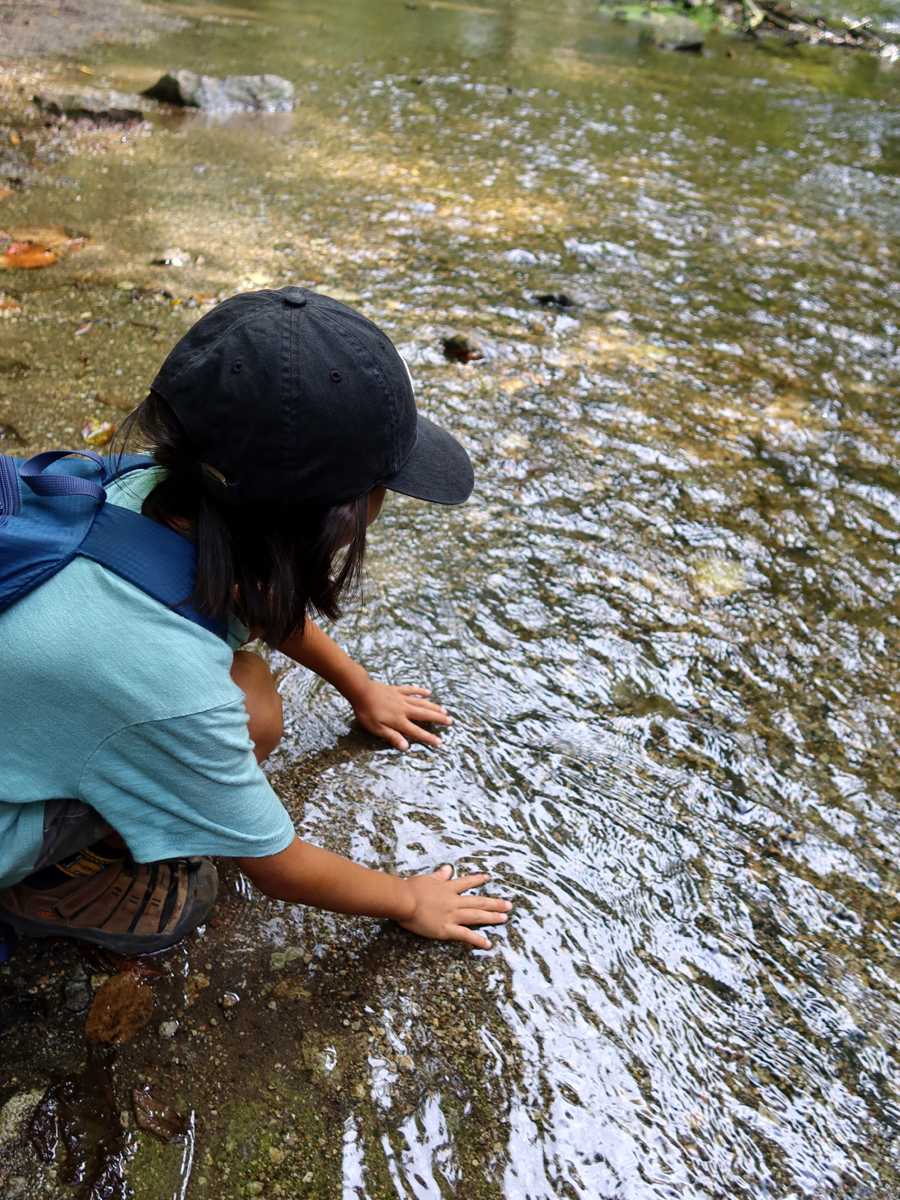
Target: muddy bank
{"type": "Point", "coordinates": [41, 27]}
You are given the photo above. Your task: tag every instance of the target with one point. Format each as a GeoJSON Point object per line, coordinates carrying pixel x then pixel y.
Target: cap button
{"type": "Point", "coordinates": [296, 297]}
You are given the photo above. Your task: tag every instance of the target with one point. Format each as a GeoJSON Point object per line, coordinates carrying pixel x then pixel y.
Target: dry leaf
{"type": "Point", "coordinates": [30, 246]}
{"type": "Point", "coordinates": [121, 1008]}
{"type": "Point", "coordinates": [24, 255]}
{"type": "Point", "coordinates": [156, 1116]}
{"type": "Point", "coordinates": [98, 433]}
{"type": "Point", "coordinates": [55, 237]}
{"type": "Point", "coordinates": [143, 968]}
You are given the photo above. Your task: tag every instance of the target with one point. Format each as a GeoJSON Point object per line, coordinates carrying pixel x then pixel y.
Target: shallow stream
{"type": "Point", "coordinates": [666, 624]}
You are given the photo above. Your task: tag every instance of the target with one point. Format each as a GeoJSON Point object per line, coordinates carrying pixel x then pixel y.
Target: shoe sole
{"type": "Point", "coordinates": [196, 908]}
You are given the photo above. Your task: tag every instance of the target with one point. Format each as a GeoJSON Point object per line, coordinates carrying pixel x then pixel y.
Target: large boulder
{"type": "Point", "coordinates": [92, 103]}
{"type": "Point", "coordinates": [233, 94]}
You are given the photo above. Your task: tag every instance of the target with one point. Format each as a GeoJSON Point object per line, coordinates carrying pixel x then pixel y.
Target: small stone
{"type": "Point", "coordinates": [717, 577]}
{"type": "Point", "coordinates": [98, 980]}
{"type": "Point", "coordinates": [78, 995]}
{"type": "Point", "coordinates": [230, 999]}
{"type": "Point", "coordinates": [308, 1177]}
{"type": "Point", "coordinates": [173, 258]}
{"type": "Point", "coordinates": [167, 1030]}
{"type": "Point", "coordinates": [126, 285]}
{"type": "Point", "coordinates": [277, 1156]}
{"type": "Point", "coordinates": [273, 1005]}
{"type": "Point", "coordinates": [460, 348]}
{"type": "Point", "coordinates": [255, 1187]}
{"type": "Point", "coordinates": [15, 1112]}
{"type": "Point", "coordinates": [193, 985]}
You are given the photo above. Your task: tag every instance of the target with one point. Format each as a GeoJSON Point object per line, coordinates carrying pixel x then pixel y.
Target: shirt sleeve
{"type": "Point", "coordinates": [187, 785]}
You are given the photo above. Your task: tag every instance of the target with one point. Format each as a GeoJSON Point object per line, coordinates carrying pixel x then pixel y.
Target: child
{"type": "Point", "coordinates": [130, 737]}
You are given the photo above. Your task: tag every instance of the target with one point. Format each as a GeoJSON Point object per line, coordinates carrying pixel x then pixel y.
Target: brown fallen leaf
{"type": "Point", "coordinates": [142, 967]}
{"type": "Point", "coordinates": [98, 433]}
{"type": "Point", "coordinates": [54, 237]}
{"type": "Point", "coordinates": [6, 191]}
{"type": "Point", "coordinates": [158, 1117]}
{"type": "Point", "coordinates": [25, 255]}
{"type": "Point", "coordinates": [28, 246]}
{"type": "Point", "coordinates": [121, 1008]}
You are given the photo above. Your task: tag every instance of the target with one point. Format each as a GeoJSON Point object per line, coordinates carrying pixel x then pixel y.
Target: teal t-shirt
{"type": "Point", "coordinates": [109, 698]}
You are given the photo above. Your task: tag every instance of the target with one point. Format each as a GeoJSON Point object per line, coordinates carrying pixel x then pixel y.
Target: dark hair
{"type": "Point", "coordinates": [273, 564]}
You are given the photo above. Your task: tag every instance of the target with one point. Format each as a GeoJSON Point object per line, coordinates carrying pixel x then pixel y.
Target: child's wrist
{"type": "Point", "coordinates": [406, 902]}
{"type": "Point", "coordinates": [355, 684]}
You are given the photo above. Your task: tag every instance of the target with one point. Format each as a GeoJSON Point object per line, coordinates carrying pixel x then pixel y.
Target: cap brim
{"type": "Point", "coordinates": [438, 469]}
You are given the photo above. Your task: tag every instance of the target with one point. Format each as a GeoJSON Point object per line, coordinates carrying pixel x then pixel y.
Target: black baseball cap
{"type": "Point", "coordinates": [292, 397]}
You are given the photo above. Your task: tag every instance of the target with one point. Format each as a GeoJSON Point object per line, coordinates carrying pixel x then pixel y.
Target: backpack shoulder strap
{"type": "Point", "coordinates": [157, 560]}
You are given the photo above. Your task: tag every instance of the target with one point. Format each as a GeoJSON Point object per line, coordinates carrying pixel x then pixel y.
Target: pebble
{"type": "Point", "coordinates": [14, 1112]}
{"type": "Point", "coordinates": [281, 958]}
{"type": "Point", "coordinates": [167, 1030]}
{"type": "Point", "coordinates": [78, 995]}
{"type": "Point", "coordinates": [230, 999]}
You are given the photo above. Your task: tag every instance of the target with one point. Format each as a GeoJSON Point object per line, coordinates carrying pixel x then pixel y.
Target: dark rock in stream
{"type": "Point", "coordinates": [16, 170]}
{"type": "Point", "coordinates": [89, 102]}
{"type": "Point", "coordinates": [556, 300]}
{"type": "Point", "coordinates": [233, 94]}
{"type": "Point", "coordinates": [461, 349]}
{"type": "Point", "coordinates": [675, 33]}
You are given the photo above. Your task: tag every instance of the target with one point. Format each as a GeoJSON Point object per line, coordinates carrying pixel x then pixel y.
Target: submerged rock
{"type": "Point", "coordinates": [555, 300]}
{"type": "Point", "coordinates": [675, 33]}
{"type": "Point", "coordinates": [233, 94]}
{"type": "Point", "coordinates": [15, 1112]}
{"type": "Point", "coordinates": [460, 348]}
{"type": "Point", "coordinates": [16, 169]}
{"type": "Point", "coordinates": [717, 576]}
{"type": "Point", "coordinates": [89, 102]}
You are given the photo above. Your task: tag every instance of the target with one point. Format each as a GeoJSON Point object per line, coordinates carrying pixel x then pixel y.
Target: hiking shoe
{"type": "Point", "coordinates": [128, 907]}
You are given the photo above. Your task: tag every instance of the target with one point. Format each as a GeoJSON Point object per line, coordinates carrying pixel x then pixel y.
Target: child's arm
{"type": "Point", "coordinates": [430, 905]}
{"type": "Point", "coordinates": [386, 711]}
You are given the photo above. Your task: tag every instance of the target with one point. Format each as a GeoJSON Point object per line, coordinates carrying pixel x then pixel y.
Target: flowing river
{"type": "Point", "coordinates": [666, 623]}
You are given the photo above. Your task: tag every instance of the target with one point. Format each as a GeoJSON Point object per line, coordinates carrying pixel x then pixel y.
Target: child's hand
{"type": "Point", "coordinates": [390, 712]}
{"type": "Point", "coordinates": [442, 912]}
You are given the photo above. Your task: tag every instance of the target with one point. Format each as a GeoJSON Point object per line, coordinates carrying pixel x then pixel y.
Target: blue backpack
{"type": "Point", "coordinates": [53, 508]}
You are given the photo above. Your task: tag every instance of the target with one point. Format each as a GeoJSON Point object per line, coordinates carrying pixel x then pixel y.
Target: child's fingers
{"type": "Point", "coordinates": [459, 933]}
{"type": "Point", "coordinates": [479, 916]}
{"type": "Point", "coordinates": [464, 882]}
{"type": "Point", "coordinates": [485, 903]}
{"type": "Point", "coordinates": [429, 712]}
{"type": "Point", "coordinates": [416, 734]}
{"type": "Point", "coordinates": [392, 736]}
{"type": "Point", "coordinates": [413, 689]}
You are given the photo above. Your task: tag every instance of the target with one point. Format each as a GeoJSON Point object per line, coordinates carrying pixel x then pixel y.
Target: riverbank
{"type": "Point", "coordinates": [29, 28]}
